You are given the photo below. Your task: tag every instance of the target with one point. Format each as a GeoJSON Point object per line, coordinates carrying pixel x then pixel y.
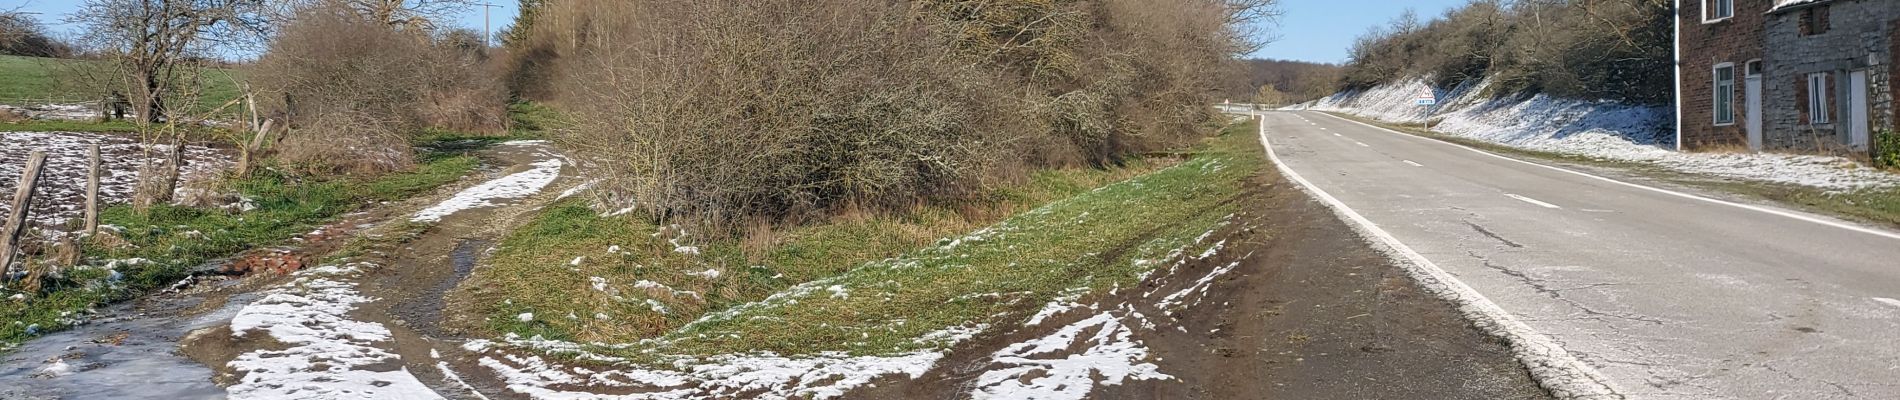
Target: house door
{"type": "Point", "coordinates": [1752, 97]}
{"type": "Point", "coordinates": [1857, 129]}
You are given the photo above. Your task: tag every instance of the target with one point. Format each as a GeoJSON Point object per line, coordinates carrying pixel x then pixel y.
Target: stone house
{"type": "Point", "coordinates": [1829, 74]}
{"type": "Point", "coordinates": [1786, 75]}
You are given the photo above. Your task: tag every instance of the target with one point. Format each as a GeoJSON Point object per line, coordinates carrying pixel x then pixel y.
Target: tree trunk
{"type": "Point", "coordinates": [158, 180]}
{"type": "Point", "coordinates": [15, 225]}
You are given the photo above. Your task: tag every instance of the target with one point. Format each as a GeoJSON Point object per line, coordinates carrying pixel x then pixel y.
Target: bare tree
{"type": "Point", "coordinates": [156, 42]}
{"type": "Point", "coordinates": [157, 49]}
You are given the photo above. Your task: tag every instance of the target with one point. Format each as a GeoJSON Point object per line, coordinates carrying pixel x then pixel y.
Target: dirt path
{"type": "Point", "coordinates": [369, 325]}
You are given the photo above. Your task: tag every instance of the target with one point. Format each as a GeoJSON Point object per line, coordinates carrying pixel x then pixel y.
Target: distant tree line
{"type": "Point", "coordinates": [1283, 82]}
{"type": "Point", "coordinates": [1586, 49]}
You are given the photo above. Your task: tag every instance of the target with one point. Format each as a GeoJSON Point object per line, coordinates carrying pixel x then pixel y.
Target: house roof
{"type": "Point", "coordinates": [1781, 5]}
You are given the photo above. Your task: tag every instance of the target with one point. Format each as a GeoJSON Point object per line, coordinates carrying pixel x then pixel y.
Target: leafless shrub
{"type": "Point", "coordinates": [352, 85]}
{"type": "Point", "coordinates": [347, 142]}
{"type": "Point", "coordinates": [723, 111]}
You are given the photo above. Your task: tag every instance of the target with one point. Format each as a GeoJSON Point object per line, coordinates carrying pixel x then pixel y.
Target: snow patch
{"type": "Point", "coordinates": [1199, 287]}
{"type": "Point", "coordinates": [1044, 368]}
{"type": "Point", "coordinates": [763, 376]}
{"type": "Point", "coordinates": [514, 186]}
{"type": "Point", "coordinates": [328, 354]}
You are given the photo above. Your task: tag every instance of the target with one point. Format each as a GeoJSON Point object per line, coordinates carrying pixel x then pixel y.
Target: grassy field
{"type": "Point", "coordinates": [34, 80]}
{"type": "Point", "coordinates": [867, 285]}
{"type": "Point", "coordinates": [1876, 206]}
{"type": "Point", "coordinates": [174, 240]}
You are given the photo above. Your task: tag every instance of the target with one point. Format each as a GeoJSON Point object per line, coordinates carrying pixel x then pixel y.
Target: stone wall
{"type": "Point", "coordinates": [1858, 36]}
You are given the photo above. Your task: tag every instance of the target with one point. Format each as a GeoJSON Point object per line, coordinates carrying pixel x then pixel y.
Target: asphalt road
{"type": "Point", "coordinates": [1671, 297]}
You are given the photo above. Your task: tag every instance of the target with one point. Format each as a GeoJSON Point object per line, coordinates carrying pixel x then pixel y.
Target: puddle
{"type": "Point", "coordinates": [129, 353]}
{"type": "Point", "coordinates": [423, 311]}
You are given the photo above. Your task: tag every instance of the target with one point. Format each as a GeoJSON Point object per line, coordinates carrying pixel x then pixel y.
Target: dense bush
{"type": "Point", "coordinates": [355, 89]}
{"type": "Point", "coordinates": [724, 111]}
{"type": "Point", "coordinates": [1614, 50]}
{"type": "Point", "coordinates": [1887, 148]}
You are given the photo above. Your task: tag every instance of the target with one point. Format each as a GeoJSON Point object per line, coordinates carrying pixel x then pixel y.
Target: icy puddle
{"type": "Point", "coordinates": [128, 354]}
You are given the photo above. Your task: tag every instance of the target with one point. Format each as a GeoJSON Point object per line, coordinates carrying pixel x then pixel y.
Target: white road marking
{"type": "Point", "coordinates": [1557, 369]}
{"type": "Point", "coordinates": [1532, 201]}
{"type": "Point", "coordinates": [1764, 210]}
{"type": "Point", "coordinates": [1891, 302]}
{"type": "Point", "coordinates": [1363, 144]}
{"type": "Point", "coordinates": [1413, 163]}
{"type": "Point", "coordinates": [1339, 135]}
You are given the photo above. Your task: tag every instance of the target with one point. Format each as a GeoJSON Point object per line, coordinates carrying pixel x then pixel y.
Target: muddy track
{"type": "Point", "coordinates": [406, 272]}
{"type": "Point", "coordinates": [1308, 312]}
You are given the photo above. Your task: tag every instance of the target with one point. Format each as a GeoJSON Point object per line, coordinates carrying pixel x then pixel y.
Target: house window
{"type": "Point", "coordinates": [1724, 94]}
{"type": "Point", "coordinates": [1814, 21]}
{"type": "Point", "coordinates": [1716, 10]}
{"type": "Point", "coordinates": [1817, 98]}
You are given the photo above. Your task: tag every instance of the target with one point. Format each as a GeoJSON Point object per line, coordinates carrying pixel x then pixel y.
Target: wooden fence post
{"type": "Point", "coordinates": [15, 225]}
{"type": "Point", "coordinates": [92, 194]}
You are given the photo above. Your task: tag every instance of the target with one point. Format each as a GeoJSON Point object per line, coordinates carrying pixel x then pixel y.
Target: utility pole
{"type": "Point", "coordinates": [487, 34]}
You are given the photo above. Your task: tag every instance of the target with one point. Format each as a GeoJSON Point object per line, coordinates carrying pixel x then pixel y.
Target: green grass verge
{"type": "Point", "coordinates": [175, 240]}
{"type": "Point", "coordinates": [1876, 206]}
{"type": "Point", "coordinates": [35, 80]}
{"type": "Point", "coordinates": [1085, 233]}
{"type": "Point", "coordinates": [67, 126]}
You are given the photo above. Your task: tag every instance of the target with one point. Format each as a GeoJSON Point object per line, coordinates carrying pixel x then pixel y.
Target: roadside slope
{"type": "Point", "coordinates": [1208, 278]}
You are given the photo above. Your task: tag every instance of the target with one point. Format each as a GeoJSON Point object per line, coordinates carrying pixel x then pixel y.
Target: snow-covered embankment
{"type": "Point", "coordinates": [1599, 129]}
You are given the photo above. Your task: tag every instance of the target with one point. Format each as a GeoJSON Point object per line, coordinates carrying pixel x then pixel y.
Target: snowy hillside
{"type": "Point", "coordinates": [1606, 130]}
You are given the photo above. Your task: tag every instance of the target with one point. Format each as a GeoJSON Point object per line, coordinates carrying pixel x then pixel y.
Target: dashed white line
{"type": "Point", "coordinates": [1765, 210]}
{"type": "Point", "coordinates": [1532, 201]}
{"type": "Point", "coordinates": [1413, 163]}
{"type": "Point", "coordinates": [1891, 302]}
{"type": "Point", "coordinates": [1339, 135]}
{"type": "Point", "coordinates": [1363, 144]}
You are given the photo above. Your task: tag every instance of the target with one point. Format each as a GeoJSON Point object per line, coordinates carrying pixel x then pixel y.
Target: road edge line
{"type": "Point", "coordinates": [1554, 368]}
{"type": "Point", "coordinates": [1755, 208]}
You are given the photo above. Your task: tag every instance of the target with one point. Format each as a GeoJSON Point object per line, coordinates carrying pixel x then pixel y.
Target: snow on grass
{"type": "Point", "coordinates": [1603, 130]}
{"type": "Point", "coordinates": [1061, 304]}
{"type": "Point", "coordinates": [61, 194]}
{"type": "Point", "coordinates": [327, 355]}
{"type": "Point", "coordinates": [514, 186]}
{"type": "Point", "coordinates": [1047, 368]}
{"type": "Point", "coordinates": [762, 376]}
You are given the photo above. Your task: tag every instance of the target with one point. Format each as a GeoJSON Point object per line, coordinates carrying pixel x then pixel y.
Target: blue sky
{"type": "Point", "coordinates": [1321, 30]}
{"type": "Point", "coordinates": [52, 11]}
